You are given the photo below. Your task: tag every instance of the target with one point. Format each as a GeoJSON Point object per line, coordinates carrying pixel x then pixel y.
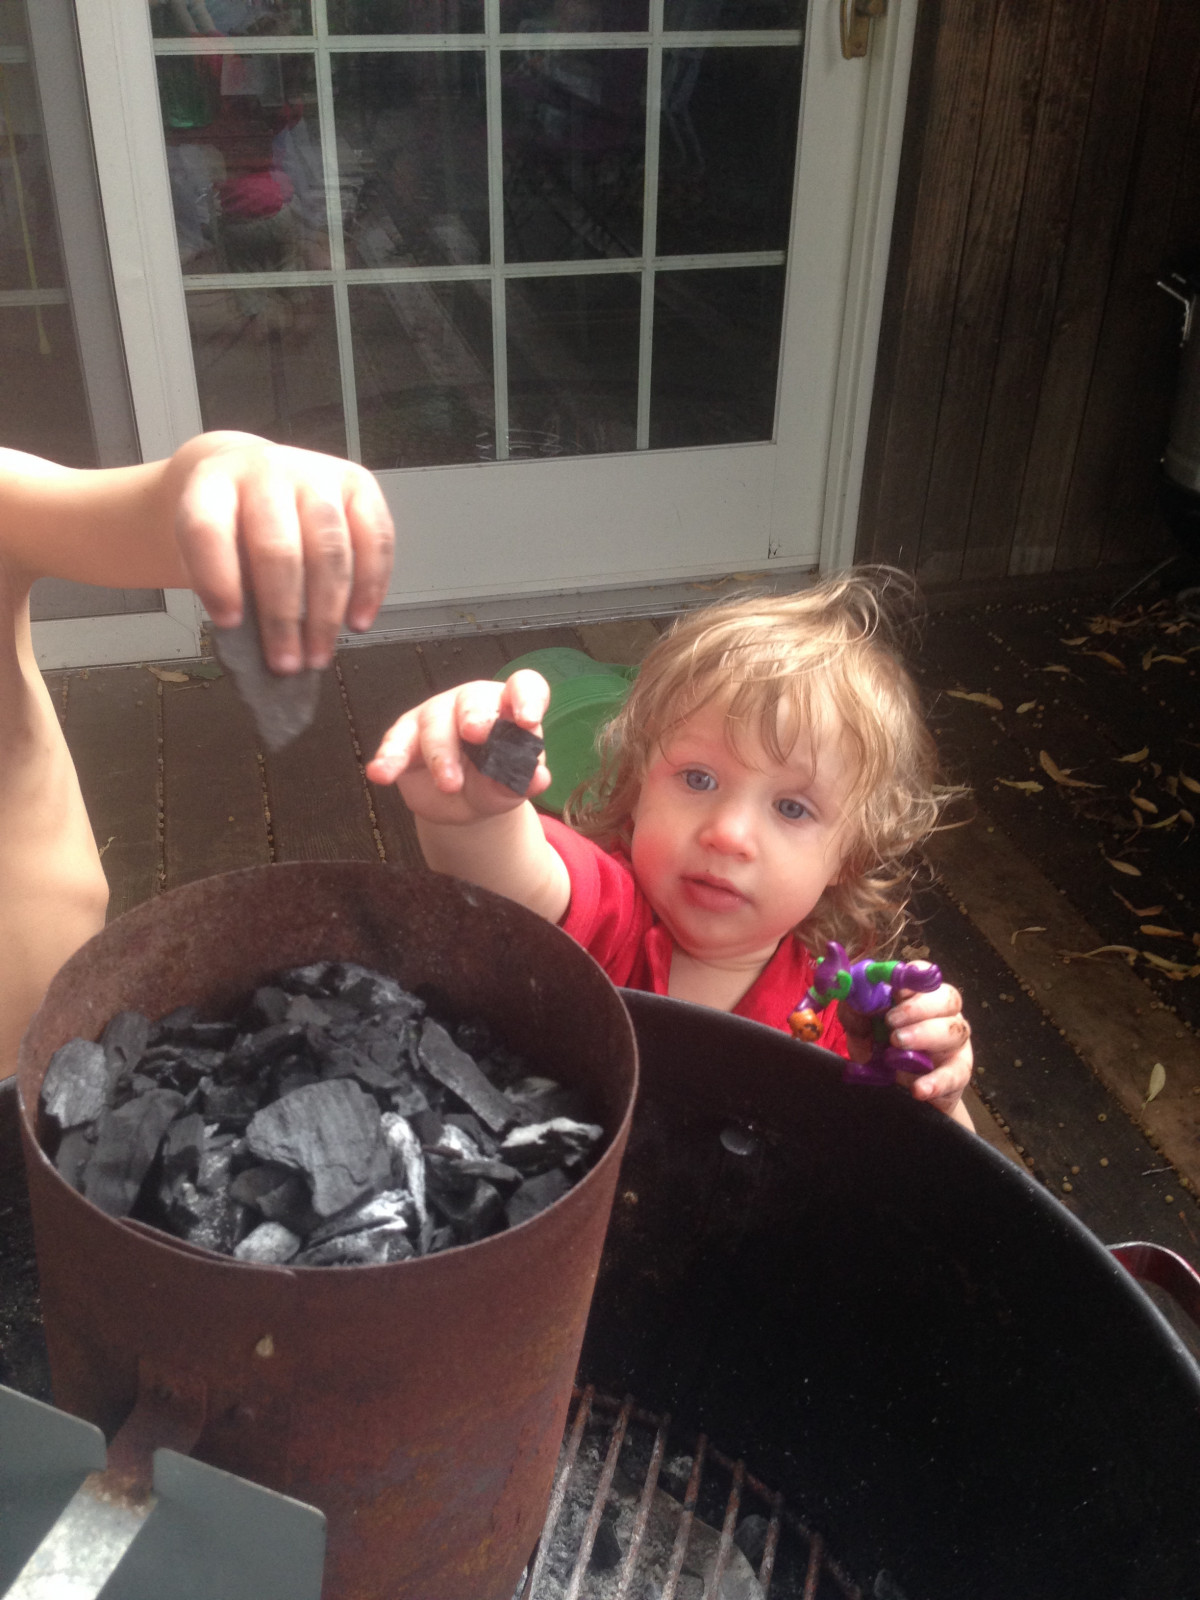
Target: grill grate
{"type": "Point", "coordinates": [666, 1550]}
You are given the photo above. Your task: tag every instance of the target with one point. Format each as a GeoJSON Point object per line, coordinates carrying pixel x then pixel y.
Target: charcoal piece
{"type": "Point", "coordinates": [509, 755]}
{"type": "Point", "coordinates": [309, 1013]}
{"type": "Point", "coordinates": [252, 1051]}
{"type": "Point", "coordinates": [267, 1006]}
{"type": "Point", "coordinates": [457, 1144]}
{"type": "Point", "coordinates": [229, 1105]}
{"type": "Point", "coordinates": [76, 1087]}
{"type": "Point", "coordinates": [455, 1069]}
{"type": "Point", "coordinates": [438, 1239]}
{"type": "Point", "coordinates": [175, 1025]}
{"type": "Point", "coordinates": [541, 1100]}
{"type": "Point", "coordinates": [428, 1125]}
{"type": "Point", "coordinates": [534, 1195]}
{"type": "Point", "coordinates": [291, 1074]}
{"type": "Point", "coordinates": [73, 1154]}
{"type": "Point", "coordinates": [606, 1547]}
{"type": "Point", "coordinates": [503, 1177]}
{"type": "Point", "coordinates": [253, 1183]}
{"type": "Point", "coordinates": [210, 1035]}
{"type": "Point", "coordinates": [270, 1244]}
{"type": "Point", "coordinates": [282, 705]}
{"type": "Point", "coordinates": [124, 1039]}
{"type": "Point", "coordinates": [216, 1160]}
{"type": "Point", "coordinates": [331, 1132]}
{"type": "Point", "coordinates": [373, 1248]}
{"type": "Point", "coordinates": [393, 1208]}
{"type": "Point", "coordinates": [476, 1038]}
{"type": "Point", "coordinates": [444, 1175]}
{"type": "Point", "coordinates": [372, 992]}
{"type": "Point", "coordinates": [545, 1144]}
{"type": "Point", "coordinates": [470, 1124]}
{"type": "Point", "coordinates": [291, 1204]}
{"type": "Point", "coordinates": [408, 1100]}
{"type": "Point", "coordinates": [181, 1152]}
{"type": "Point", "coordinates": [408, 1161]}
{"type": "Point", "coordinates": [179, 1066]}
{"type": "Point", "coordinates": [472, 1216]}
{"type": "Point", "coordinates": [127, 1142]}
{"type": "Point", "coordinates": [212, 1221]}
{"type": "Point", "coordinates": [750, 1537]}
{"type": "Point", "coordinates": [312, 979]}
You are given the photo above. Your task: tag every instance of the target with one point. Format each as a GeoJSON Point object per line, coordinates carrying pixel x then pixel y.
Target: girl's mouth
{"type": "Point", "coordinates": [712, 894]}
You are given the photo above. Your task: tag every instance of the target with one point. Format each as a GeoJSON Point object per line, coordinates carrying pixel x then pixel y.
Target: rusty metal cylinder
{"type": "Point", "coordinates": [420, 1404]}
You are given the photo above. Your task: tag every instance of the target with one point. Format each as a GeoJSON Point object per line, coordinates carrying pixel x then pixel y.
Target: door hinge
{"type": "Point", "coordinates": [856, 25]}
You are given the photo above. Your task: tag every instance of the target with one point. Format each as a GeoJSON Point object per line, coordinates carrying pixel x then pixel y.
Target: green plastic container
{"type": "Point", "coordinates": [584, 695]}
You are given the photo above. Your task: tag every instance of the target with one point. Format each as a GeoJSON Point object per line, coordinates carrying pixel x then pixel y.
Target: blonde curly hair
{"type": "Point", "coordinates": [826, 657]}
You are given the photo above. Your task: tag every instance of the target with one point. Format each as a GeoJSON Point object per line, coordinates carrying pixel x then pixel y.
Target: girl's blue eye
{"type": "Point", "coordinates": [698, 780]}
{"type": "Point", "coordinates": [792, 810]}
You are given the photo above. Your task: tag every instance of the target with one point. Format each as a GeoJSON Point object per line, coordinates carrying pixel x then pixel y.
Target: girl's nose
{"type": "Point", "coordinates": [729, 829]}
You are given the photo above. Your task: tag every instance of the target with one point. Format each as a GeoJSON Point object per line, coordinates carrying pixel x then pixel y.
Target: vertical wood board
{"type": "Point", "coordinates": [316, 791]}
{"type": "Point", "coordinates": [381, 683]}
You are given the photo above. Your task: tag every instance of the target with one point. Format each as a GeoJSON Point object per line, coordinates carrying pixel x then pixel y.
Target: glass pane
{"type": "Point", "coordinates": [29, 254]}
{"type": "Point", "coordinates": [405, 16]}
{"type": "Point", "coordinates": [574, 148]}
{"type": "Point", "coordinates": [415, 125]}
{"type": "Point", "coordinates": [574, 16]}
{"type": "Point", "coordinates": [43, 408]}
{"type": "Point", "coordinates": [244, 156]}
{"type": "Point", "coordinates": [267, 361]}
{"type": "Point", "coordinates": [259, 18]}
{"type": "Point", "coordinates": [12, 23]}
{"type": "Point", "coordinates": [423, 369]}
{"type": "Point", "coordinates": [679, 15]}
{"type": "Point", "coordinates": [727, 149]}
{"type": "Point", "coordinates": [573, 364]}
{"type": "Point", "coordinates": [56, 599]}
{"type": "Point", "coordinates": [716, 354]}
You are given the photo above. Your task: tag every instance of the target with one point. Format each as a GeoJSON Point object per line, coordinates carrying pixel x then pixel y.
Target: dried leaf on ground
{"type": "Point", "coordinates": [1017, 932]}
{"type": "Point", "coordinates": [1030, 785]}
{"type": "Point", "coordinates": [1054, 667]}
{"type": "Point", "coordinates": [1127, 867]}
{"type": "Point", "coordinates": [1167, 822]}
{"type": "Point", "coordinates": [1081, 640]}
{"type": "Point", "coordinates": [1136, 755]}
{"type": "Point", "coordinates": [1126, 950]}
{"type": "Point", "coordinates": [1153, 931]}
{"type": "Point", "coordinates": [164, 676]}
{"type": "Point", "coordinates": [980, 699]}
{"type": "Point", "coordinates": [1142, 803]}
{"type": "Point", "coordinates": [1026, 705]}
{"type": "Point", "coordinates": [1189, 783]}
{"type": "Point", "coordinates": [1047, 764]}
{"type": "Point", "coordinates": [1158, 1082]}
{"type": "Point", "coordinates": [1106, 655]}
{"type": "Point", "coordinates": [1138, 911]}
{"type": "Point", "coordinates": [1151, 656]}
{"type": "Point", "coordinates": [1172, 969]}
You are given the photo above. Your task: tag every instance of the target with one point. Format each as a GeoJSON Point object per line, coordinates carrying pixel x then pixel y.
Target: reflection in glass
{"type": "Point", "coordinates": [679, 15]}
{"type": "Point", "coordinates": [244, 157]}
{"type": "Point", "coordinates": [405, 16]}
{"type": "Point", "coordinates": [233, 18]}
{"type": "Point", "coordinates": [266, 361]}
{"type": "Point", "coordinates": [574, 138]}
{"type": "Point", "coordinates": [716, 356]}
{"type": "Point", "coordinates": [423, 371]}
{"type": "Point", "coordinates": [573, 364]}
{"type": "Point", "coordinates": [43, 407]}
{"type": "Point", "coordinates": [417, 126]}
{"type": "Point", "coordinates": [29, 255]}
{"type": "Point", "coordinates": [574, 16]}
{"type": "Point", "coordinates": [12, 23]}
{"type": "Point", "coordinates": [727, 149]}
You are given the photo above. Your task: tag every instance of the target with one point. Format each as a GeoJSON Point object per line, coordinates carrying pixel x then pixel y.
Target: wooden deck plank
{"type": "Point", "coordinates": [521, 641]}
{"type": "Point", "coordinates": [317, 793]}
{"type": "Point", "coordinates": [463, 659]}
{"type": "Point", "coordinates": [381, 682]}
{"type": "Point", "coordinates": [56, 685]}
{"type": "Point", "coordinates": [214, 817]}
{"type": "Point", "coordinates": [111, 729]}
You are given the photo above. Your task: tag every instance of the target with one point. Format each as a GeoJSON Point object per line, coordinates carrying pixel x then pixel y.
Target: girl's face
{"type": "Point", "coordinates": [733, 850]}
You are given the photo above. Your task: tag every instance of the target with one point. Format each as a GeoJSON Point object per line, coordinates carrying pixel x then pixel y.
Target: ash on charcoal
{"type": "Point", "coordinates": [509, 755]}
{"type": "Point", "coordinates": [330, 1120]}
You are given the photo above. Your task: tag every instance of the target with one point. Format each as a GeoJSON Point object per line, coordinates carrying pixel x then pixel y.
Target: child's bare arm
{"type": "Point", "coordinates": [470, 826]}
{"type": "Point", "coordinates": [313, 531]}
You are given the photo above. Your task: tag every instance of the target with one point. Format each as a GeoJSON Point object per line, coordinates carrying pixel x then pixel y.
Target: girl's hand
{"type": "Point", "coordinates": [934, 1024]}
{"type": "Point", "coordinates": [422, 753]}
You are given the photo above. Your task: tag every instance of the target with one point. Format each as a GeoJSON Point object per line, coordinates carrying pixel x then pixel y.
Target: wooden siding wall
{"type": "Point", "coordinates": [1051, 173]}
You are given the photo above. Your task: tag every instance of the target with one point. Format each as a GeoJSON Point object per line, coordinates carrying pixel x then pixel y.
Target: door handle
{"type": "Point", "coordinates": [856, 25]}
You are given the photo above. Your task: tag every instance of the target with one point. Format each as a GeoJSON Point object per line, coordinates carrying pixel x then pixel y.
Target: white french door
{"type": "Point", "coordinates": [592, 285]}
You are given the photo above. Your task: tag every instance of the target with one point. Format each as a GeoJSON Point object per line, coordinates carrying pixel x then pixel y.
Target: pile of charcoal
{"type": "Point", "coordinates": [332, 1121]}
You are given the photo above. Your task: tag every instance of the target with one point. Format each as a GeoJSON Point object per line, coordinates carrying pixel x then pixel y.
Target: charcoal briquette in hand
{"type": "Point", "coordinates": [509, 755]}
{"type": "Point", "coordinates": [75, 1088]}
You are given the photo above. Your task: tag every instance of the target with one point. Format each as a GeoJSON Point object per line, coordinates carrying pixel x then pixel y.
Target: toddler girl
{"type": "Point", "coordinates": [757, 796]}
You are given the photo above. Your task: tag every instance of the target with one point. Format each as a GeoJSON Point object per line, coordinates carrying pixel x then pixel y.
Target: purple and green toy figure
{"type": "Point", "coordinates": [870, 987]}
